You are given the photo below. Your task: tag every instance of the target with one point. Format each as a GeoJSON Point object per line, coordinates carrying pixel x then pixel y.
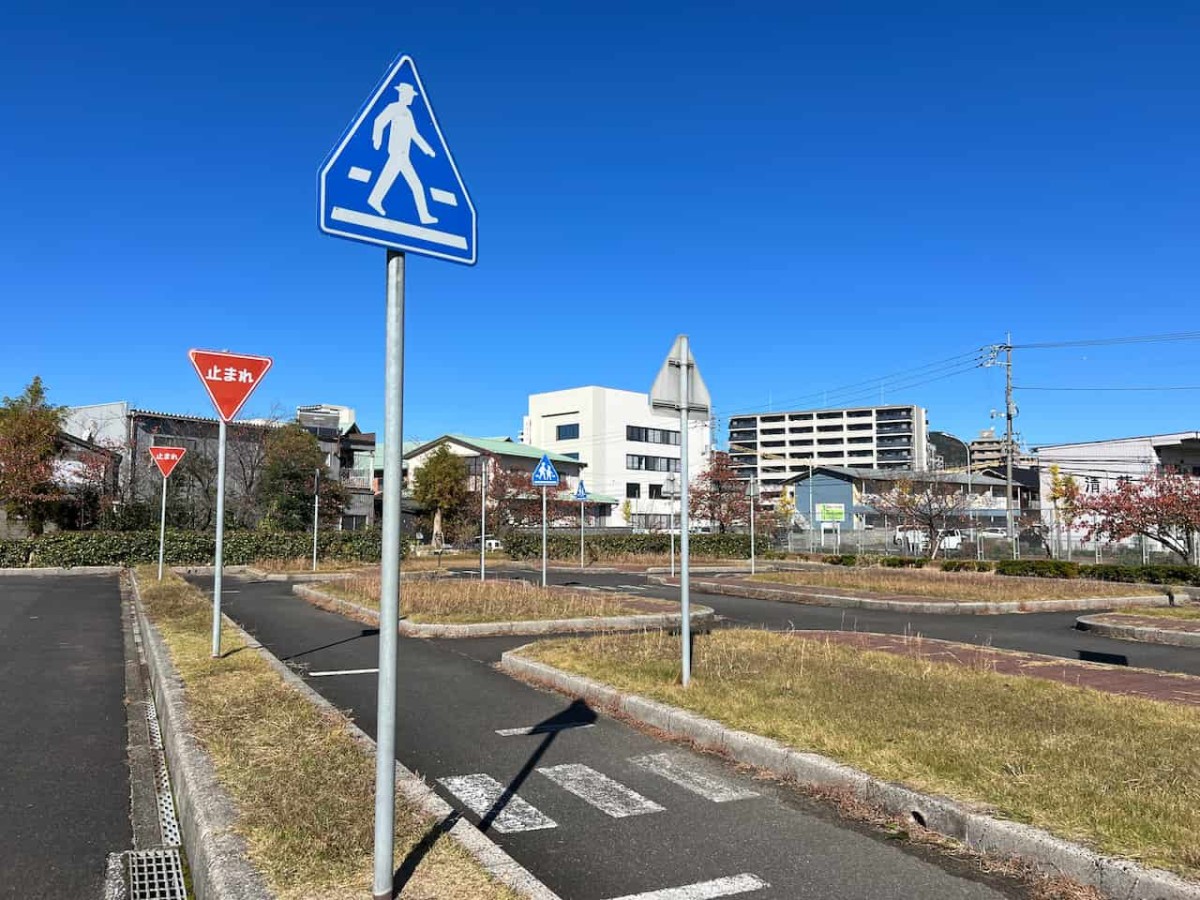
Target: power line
{"type": "Point", "coordinates": [1184, 387]}
{"type": "Point", "coordinates": [1104, 342]}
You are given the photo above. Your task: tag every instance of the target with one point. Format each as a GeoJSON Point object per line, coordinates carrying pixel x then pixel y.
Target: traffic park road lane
{"type": "Point", "coordinates": [64, 794]}
{"type": "Point", "coordinates": [1051, 634]}
{"type": "Point", "coordinates": [596, 812]}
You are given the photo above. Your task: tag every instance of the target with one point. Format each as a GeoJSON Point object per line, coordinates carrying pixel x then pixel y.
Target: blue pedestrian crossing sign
{"type": "Point", "coordinates": [544, 474]}
{"type": "Point", "coordinates": [391, 179]}
{"type": "Point", "coordinates": [581, 492]}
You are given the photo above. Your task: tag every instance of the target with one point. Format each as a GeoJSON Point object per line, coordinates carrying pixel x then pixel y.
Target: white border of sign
{"type": "Point", "coordinates": [195, 365]}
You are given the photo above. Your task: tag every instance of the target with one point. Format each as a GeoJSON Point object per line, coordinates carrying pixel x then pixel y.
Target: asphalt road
{"type": "Point", "coordinates": [1053, 634]}
{"type": "Point", "coordinates": [64, 792]}
{"type": "Point", "coordinates": [596, 812]}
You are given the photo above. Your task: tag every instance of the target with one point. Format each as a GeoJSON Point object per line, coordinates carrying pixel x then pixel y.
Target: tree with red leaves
{"type": "Point", "coordinates": [518, 504]}
{"type": "Point", "coordinates": [717, 496]}
{"type": "Point", "coordinates": [29, 428]}
{"type": "Point", "coordinates": [1163, 506]}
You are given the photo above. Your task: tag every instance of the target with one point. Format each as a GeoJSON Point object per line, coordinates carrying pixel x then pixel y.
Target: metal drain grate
{"type": "Point", "coordinates": [167, 821]}
{"type": "Point", "coordinates": [155, 875]}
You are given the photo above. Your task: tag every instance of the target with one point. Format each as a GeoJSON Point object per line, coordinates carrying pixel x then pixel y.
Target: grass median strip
{"type": "Point", "coordinates": [1117, 773]}
{"type": "Point", "coordinates": [461, 601]}
{"type": "Point", "coordinates": [1190, 612]}
{"type": "Point", "coordinates": [952, 586]}
{"type": "Point", "coordinates": [303, 786]}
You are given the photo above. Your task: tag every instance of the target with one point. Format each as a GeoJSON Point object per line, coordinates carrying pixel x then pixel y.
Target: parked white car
{"type": "Point", "coordinates": [993, 534]}
{"type": "Point", "coordinates": [918, 538]}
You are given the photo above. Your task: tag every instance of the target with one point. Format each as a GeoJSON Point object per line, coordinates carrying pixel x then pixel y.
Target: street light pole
{"type": "Point", "coordinates": [316, 513]}
{"type": "Point", "coordinates": [752, 494]}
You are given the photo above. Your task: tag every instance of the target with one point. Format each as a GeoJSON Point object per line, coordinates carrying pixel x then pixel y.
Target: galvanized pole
{"type": "Point", "coordinates": [316, 513]}
{"type": "Point", "coordinates": [389, 592]}
{"type": "Point", "coordinates": [218, 561]}
{"type": "Point", "coordinates": [671, 531]}
{"type": "Point", "coordinates": [1008, 448]}
{"type": "Point", "coordinates": [543, 535]}
{"type": "Point", "coordinates": [482, 518]}
{"type": "Point", "coordinates": [752, 496]}
{"type": "Point", "coordinates": [684, 599]}
{"type": "Point", "coordinates": [581, 534]}
{"type": "Point", "coordinates": [162, 530]}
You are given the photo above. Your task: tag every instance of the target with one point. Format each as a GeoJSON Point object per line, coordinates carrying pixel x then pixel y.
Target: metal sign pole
{"type": "Point", "coordinates": [684, 605]}
{"type": "Point", "coordinates": [218, 562]}
{"type": "Point", "coordinates": [543, 535]}
{"type": "Point", "coordinates": [389, 591]}
{"type": "Point", "coordinates": [162, 530]}
{"type": "Point", "coordinates": [316, 513]}
{"type": "Point", "coordinates": [482, 517]}
{"type": "Point", "coordinates": [581, 534]}
{"type": "Point", "coordinates": [752, 526]}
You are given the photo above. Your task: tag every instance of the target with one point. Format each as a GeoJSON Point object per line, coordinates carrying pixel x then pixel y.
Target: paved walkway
{"type": "Point", "coordinates": [64, 792]}
{"type": "Point", "coordinates": [1143, 683]}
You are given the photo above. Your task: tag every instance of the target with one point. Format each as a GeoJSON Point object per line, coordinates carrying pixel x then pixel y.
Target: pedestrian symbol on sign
{"type": "Point", "coordinates": [545, 475]}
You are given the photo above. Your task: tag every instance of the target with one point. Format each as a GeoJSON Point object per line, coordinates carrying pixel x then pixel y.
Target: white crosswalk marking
{"type": "Point", "coordinates": [479, 794]}
{"type": "Point", "coordinates": [542, 729]}
{"type": "Point", "coordinates": [705, 890]}
{"type": "Point", "coordinates": [610, 797]}
{"type": "Point", "coordinates": [685, 773]}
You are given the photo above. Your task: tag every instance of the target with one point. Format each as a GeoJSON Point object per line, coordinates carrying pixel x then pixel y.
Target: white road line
{"type": "Point", "coordinates": [421, 233]}
{"type": "Point", "coordinates": [443, 196]}
{"type": "Point", "coordinates": [705, 890]}
{"type": "Point", "coordinates": [610, 797]}
{"type": "Point", "coordinates": [541, 729]}
{"type": "Point", "coordinates": [357, 173]}
{"type": "Point", "coordinates": [683, 772]}
{"type": "Point", "coordinates": [632, 587]}
{"type": "Point", "coordinates": [479, 794]}
{"type": "Point", "coordinates": [343, 672]}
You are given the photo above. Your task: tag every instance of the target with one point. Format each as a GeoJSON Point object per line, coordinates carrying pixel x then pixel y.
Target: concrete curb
{"type": "Point", "coordinates": [964, 608]}
{"type": "Point", "coordinates": [1141, 633]}
{"type": "Point", "coordinates": [263, 575]}
{"type": "Point", "coordinates": [216, 854]}
{"type": "Point", "coordinates": [701, 615]}
{"type": "Point", "coordinates": [1117, 878]}
{"type": "Point", "coordinates": [44, 571]}
{"type": "Point", "coordinates": [217, 859]}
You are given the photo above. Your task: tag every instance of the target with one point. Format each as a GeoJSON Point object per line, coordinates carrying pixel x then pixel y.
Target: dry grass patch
{"type": "Point", "coordinates": [660, 559]}
{"type": "Point", "coordinates": [303, 786]}
{"type": "Point", "coordinates": [304, 564]}
{"type": "Point", "coordinates": [461, 601]}
{"type": "Point", "coordinates": [1118, 773]}
{"type": "Point", "coordinates": [931, 584]}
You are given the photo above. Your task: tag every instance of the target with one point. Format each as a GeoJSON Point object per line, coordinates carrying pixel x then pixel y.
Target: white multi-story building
{"type": "Point", "coordinates": [775, 446]}
{"type": "Point", "coordinates": [628, 450]}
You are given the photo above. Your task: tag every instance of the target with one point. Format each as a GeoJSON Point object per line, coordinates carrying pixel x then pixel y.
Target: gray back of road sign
{"type": "Point", "coordinates": [665, 396]}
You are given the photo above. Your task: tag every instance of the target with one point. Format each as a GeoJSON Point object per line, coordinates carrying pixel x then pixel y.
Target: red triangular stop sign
{"type": "Point", "coordinates": [167, 458]}
{"type": "Point", "coordinates": [229, 378]}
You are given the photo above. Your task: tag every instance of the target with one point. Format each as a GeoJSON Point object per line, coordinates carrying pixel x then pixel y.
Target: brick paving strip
{"type": "Point", "coordinates": [1144, 683]}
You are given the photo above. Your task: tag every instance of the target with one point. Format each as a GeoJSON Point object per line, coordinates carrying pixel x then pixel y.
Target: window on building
{"type": "Point", "coordinates": [571, 455]}
{"type": "Point", "coordinates": [639, 463]}
{"type": "Point", "coordinates": [650, 521]}
{"type": "Point", "coordinates": [566, 432]}
{"type": "Point", "coordinates": [651, 435]}
{"type": "Point", "coordinates": [656, 492]}
{"type": "Point", "coordinates": [633, 490]}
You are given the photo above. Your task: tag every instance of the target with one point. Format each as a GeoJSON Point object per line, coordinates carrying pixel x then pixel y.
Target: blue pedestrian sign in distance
{"type": "Point", "coordinates": [545, 475]}
{"type": "Point", "coordinates": [391, 180]}
{"type": "Point", "coordinates": [581, 492]}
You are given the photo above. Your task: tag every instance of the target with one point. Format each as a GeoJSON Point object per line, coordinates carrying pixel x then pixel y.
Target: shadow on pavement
{"type": "Point", "coordinates": [366, 632]}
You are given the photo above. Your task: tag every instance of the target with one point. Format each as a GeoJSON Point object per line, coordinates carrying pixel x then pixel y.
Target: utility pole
{"type": "Point", "coordinates": [316, 513]}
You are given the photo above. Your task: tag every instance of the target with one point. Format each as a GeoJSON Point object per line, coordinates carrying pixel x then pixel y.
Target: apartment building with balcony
{"type": "Point", "coordinates": [776, 446]}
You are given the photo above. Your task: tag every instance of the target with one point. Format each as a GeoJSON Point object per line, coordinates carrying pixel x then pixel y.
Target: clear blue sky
{"type": "Point", "coordinates": [816, 196]}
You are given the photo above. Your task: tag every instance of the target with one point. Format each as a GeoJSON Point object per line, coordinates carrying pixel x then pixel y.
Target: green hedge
{"type": "Point", "coordinates": [1038, 568]}
{"type": "Point", "coordinates": [1161, 574]}
{"type": "Point", "coordinates": [967, 565]}
{"type": "Point", "coordinates": [599, 547]}
{"type": "Point", "coordinates": [841, 559]}
{"type": "Point", "coordinates": [125, 548]}
{"type": "Point", "coordinates": [903, 562]}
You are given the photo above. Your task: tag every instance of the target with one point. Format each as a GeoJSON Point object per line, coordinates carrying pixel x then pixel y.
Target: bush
{"type": "Point", "coordinates": [843, 559]}
{"type": "Point", "coordinates": [14, 553]}
{"type": "Point", "coordinates": [1161, 574]}
{"type": "Point", "coordinates": [527, 544]}
{"type": "Point", "coordinates": [967, 565]}
{"type": "Point", "coordinates": [1038, 568]}
{"type": "Point", "coordinates": [903, 562]}
{"type": "Point", "coordinates": [126, 548]}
